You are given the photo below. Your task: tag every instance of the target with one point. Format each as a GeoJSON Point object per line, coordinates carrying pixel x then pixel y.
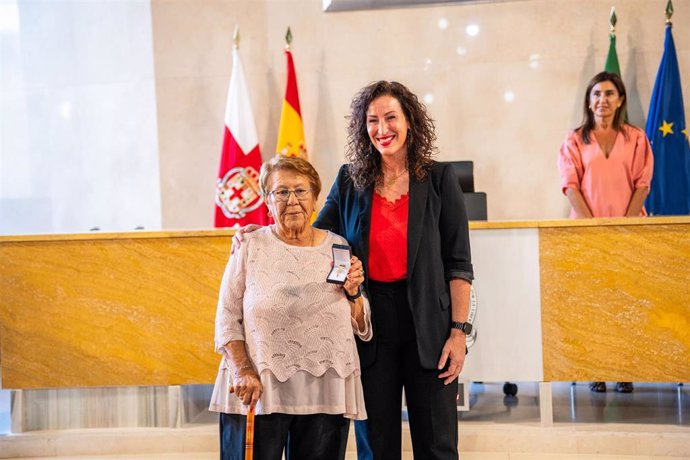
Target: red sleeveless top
{"type": "Point", "coordinates": [388, 239]}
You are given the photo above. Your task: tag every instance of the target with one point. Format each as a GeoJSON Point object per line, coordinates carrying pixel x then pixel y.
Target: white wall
{"type": "Point", "coordinates": [78, 140]}
{"type": "Point", "coordinates": [90, 137]}
{"type": "Point", "coordinates": [541, 51]}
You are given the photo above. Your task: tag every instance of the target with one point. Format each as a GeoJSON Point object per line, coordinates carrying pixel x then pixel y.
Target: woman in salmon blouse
{"type": "Point", "coordinates": [606, 164]}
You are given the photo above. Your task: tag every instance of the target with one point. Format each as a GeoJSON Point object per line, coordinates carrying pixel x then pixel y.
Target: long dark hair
{"type": "Point", "coordinates": [588, 116]}
{"type": "Point", "coordinates": [365, 160]}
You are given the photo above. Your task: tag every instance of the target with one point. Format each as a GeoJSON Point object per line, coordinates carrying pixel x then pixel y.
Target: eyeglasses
{"type": "Point", "coordinates": [283, 195]}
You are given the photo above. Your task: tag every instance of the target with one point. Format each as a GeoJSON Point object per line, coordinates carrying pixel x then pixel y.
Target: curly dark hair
{"type": "Point", "coordinates": [365, 160]}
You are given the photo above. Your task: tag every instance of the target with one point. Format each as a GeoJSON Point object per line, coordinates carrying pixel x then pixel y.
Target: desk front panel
{"type": "Point", "coordinates": [616, 303]}
{"type": "Point", "coordinates": [107, 312]}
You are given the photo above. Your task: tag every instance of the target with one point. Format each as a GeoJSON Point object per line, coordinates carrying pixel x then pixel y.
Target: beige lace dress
{"type": "Point", "coordinates": [297, 328]}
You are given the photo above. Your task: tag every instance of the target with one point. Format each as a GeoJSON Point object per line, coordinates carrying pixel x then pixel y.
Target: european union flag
{"type": "Point", "coordinates": [668, 134]}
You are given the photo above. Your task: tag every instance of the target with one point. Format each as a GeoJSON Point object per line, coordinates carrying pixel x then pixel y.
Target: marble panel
{"type": "Point", "coordinates": [506, 269]}
{"type": "Point", "coordinates": [552, 456]}
{"type": "Point", "coordinates": [615, 303]}
{"type": "Point", "coordinates": [27, 446]}
{"type": "Point", "coordinates": [78, 142]}
{"type": "Point", "coordinates": [668, 444]}
{"type": "Point", "coordinates": [127, 310]}
{"type": "Point", "coordinates": [604, 443]}
{"type": "Point", "coordinates": [194, 190]}
{"type": "Point", "coordinates": [532, 440]}
{"type": "Point", "coordinates": [95, 443]}
{"type": "Point", "coordinates": [482, 455]}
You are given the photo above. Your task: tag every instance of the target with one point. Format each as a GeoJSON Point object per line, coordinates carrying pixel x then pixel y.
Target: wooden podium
{"type": "Point", "coordinates": [558, 301]}
{"type": "Point", "coordinates": [110, 309]}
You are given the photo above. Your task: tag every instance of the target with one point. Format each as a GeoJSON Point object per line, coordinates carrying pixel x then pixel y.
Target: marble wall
{"type": "Point", "coordinates": [78, 145]}
{"type": "Point", "coordinates": [111, 113]}
{"type": "Point", "coordinates": [503, 80]}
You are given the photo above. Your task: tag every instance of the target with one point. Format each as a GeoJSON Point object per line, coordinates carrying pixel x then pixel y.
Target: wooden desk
{"type": "Point", "coordinates": [559, 301]}
{"type": "Point", "coordinates": [581, 300]}
{"type": "Point", "coordinates": [110, 309]}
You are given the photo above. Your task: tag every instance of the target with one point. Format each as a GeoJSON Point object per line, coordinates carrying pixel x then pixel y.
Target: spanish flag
{"type": "Point", "coordinates": [291, 131]}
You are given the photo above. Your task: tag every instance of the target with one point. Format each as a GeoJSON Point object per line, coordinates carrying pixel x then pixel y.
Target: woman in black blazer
{"type": "Point", "coordinates": [405, 217]}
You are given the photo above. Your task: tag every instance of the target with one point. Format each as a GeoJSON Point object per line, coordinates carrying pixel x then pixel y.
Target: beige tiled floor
{"type": "Point", "coordinates": [478, 441]}
{"type": "Point", "coordinates": [353, 456]}
{"type": "Point", "coordinates": [652, 423]}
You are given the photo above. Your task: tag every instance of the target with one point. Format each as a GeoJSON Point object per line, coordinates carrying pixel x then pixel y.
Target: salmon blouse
{"type": "Point", "coordinates": [607, 184]}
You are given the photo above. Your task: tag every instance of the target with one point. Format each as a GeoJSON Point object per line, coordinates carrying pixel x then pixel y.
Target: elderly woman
{"type": "Point", "coordinates": [606, 164]}
{"type": "Point", "coordinates": [286, 335]}
{"type": "Point", "coordinates": [405, 217]}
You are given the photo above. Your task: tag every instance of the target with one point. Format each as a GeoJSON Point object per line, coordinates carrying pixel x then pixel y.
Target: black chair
{"type": "Point", "coordinates": [475, 202]}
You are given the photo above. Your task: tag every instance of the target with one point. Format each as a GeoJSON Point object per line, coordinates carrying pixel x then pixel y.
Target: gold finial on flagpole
{"type": "Point", "coordinates": [669, 12]}
{"type": "Point", "coordinates": [236, 37]}
{"type": "Point", "coordinates": [288, 38]}
{"type": "Point", "coordinates": [613, 19]}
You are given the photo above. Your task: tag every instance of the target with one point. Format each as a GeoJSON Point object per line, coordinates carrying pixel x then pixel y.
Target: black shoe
{"type": "Point", "coordinates": [624, 387]}
{"type": "Point", "coordinates": [598, 387]}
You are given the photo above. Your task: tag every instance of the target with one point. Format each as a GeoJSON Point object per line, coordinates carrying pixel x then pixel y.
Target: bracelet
{"type": "Point", "coordinates": [352, 298]}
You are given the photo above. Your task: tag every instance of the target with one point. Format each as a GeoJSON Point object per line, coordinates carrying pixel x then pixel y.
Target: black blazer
{"type": "Point", "coordinates": [438, 249]}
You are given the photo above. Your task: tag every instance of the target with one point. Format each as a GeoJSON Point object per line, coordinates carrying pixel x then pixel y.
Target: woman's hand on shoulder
{"type": "Point", "coordinates": [238, 237]}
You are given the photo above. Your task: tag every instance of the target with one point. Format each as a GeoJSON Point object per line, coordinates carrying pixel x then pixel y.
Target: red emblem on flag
{"type": "Point", "coordinates": [238, 192]}
{"type": "Point", "coordinates": [238, 198]}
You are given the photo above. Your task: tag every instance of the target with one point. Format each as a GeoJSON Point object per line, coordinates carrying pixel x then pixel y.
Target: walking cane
{"type": "Point", "coordinates": [249, 441]}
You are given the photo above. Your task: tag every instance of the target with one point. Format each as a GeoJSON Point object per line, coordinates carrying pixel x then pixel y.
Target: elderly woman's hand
{"type": "Point", "coordinates": [247, 386]}
{"type": "Point", "coordinates": [355, 277]}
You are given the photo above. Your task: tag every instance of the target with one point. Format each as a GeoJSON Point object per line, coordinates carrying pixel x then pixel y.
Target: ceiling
{"type": "Point", "coordinates": [351, 5]}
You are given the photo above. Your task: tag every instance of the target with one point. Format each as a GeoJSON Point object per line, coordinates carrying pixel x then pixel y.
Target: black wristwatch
{"type": "Point", "coordinates": [352, 298]}
{"type": "Point", "coordinates": [466, 328]}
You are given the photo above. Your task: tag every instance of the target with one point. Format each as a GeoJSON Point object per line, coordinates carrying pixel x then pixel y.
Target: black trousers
{"type": "Point", "coordinates": [431, 405]}
{"type": "Point", "coordinates": [303, 437]}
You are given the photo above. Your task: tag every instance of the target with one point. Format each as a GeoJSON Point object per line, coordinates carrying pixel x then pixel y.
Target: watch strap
{"type": "Point", "coordinates": [464, 327]}
{"type": "Point", "coordinates": [352, 298]}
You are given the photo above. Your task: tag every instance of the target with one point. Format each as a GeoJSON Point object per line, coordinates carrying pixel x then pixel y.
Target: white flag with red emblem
{"type": "Point", "coordinates": [238, 200]}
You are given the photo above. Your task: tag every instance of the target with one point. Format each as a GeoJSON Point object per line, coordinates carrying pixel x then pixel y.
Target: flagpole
{"type": "Point", "coordinates": [236, 37]}
{"type": "Point", "coordinates": [669, 13]}
{"type": "Point", "coordinates": [288, 38]}
{"type": "Point", "coordinates": [611, 65]}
